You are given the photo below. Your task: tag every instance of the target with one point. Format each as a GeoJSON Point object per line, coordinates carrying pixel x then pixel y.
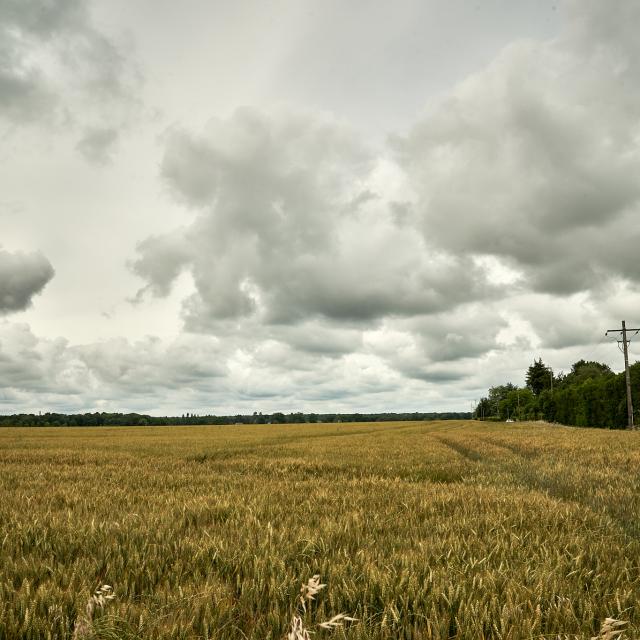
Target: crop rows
{"type": "Point", "coordinates": [419, 530]}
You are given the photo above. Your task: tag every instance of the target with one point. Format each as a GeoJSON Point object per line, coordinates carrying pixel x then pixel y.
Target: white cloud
{"type": "Point", "coordinates": [533, 160]}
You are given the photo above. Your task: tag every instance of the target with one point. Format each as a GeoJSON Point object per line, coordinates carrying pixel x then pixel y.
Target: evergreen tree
{"type": "Point", "coordinates": [539, 377]}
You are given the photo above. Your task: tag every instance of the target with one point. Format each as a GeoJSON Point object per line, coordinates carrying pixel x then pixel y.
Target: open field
{"type": "Point", "coordinates": [420, 530]}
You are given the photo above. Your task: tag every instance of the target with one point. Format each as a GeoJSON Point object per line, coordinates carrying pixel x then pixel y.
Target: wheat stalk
{"type": "Point", "coordinates": [101, 597]}
{"type": "Point", "coordinates": [308, 591]}
{"type": "Point", "coordinates": [611, 630]}
{"type": "Point", "coordinates": [336, 621]}
{"type": "Point", "coordinates": [297, 630]}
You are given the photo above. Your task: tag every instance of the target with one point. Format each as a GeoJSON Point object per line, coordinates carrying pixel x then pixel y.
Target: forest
{"type": "Point", "coordinates": [590, 395]}
{"type": "Point", "coordinates": [99, 419]}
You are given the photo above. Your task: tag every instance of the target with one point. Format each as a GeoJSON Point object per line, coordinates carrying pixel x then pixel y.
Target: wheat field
{"type": "Point", "coordinates": [419, 530]}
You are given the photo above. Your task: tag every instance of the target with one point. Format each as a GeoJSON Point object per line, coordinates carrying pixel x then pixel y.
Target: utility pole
{"type": "Point", "coordinates": [627, 375]}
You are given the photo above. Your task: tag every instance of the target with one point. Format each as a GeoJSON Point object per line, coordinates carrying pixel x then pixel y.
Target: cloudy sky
{"type": "Point", "coordinates": [284, 205]}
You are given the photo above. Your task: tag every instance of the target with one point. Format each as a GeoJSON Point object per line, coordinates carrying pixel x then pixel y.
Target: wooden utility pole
{"type": "Point", "coordinates": [627, 375]}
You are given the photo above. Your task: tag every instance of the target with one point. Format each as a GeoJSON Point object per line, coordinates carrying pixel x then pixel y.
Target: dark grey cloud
{"type": "Point", "coordinates": [437, 374]}
{"type": "Point", "coordinates": [22, 276]}
{"type": "Point", "coordinates": [162, 259]}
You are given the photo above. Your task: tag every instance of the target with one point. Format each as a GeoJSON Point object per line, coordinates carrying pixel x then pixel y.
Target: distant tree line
{"type": "Point", "coordinates": [590, 395]}
{"type": "Point", "coordinates": [137, 419]}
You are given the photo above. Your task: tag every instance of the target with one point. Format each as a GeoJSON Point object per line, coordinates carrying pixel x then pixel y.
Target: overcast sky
{"type": "Point", "coordinates": [281, 205]}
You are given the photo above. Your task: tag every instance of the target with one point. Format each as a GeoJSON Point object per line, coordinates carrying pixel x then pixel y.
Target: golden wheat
{"type": "Point", "coordinates": [84, 627]}
{"type": "Point", "coordinates": [420, 530]}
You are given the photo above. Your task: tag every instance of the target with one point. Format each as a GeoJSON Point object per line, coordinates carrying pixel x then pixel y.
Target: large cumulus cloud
{"type": "Point", "coordinates": [22, 276]}
{"type": "Point", "coordinates": [534, 160]}
{"type": "Point", "coordinates": [292, 222]}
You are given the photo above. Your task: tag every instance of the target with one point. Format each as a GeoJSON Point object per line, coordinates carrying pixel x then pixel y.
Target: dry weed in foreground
{"type": "Point", "coordinates": [309, 590]}
{"type": "Point", "coordinates": [297, 630]}
{"type": "Point", "coordinates": [611, 630]}
{"type": "Point", "coordinates": [84, 624]}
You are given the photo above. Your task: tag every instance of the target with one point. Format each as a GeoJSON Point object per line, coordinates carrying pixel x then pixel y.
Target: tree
{"type": "Point", "coordinates": [484, 409]}
{"type": "Point", "coordinates": [518, 404]}
{"type": "Point", "coordinates": [539, 377]}
{"type": "Point", "coordinates": [501, 391]}
{"type": "Point", "coordinates": [584, 370]}
{"type": "Point", "coordinates": [493, 405]}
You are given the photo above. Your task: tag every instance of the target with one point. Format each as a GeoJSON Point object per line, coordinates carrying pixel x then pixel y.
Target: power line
{"type": "Point", "coordinates": [600, 342]}
{"type": "Point", "coordinates": [625, 342]}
